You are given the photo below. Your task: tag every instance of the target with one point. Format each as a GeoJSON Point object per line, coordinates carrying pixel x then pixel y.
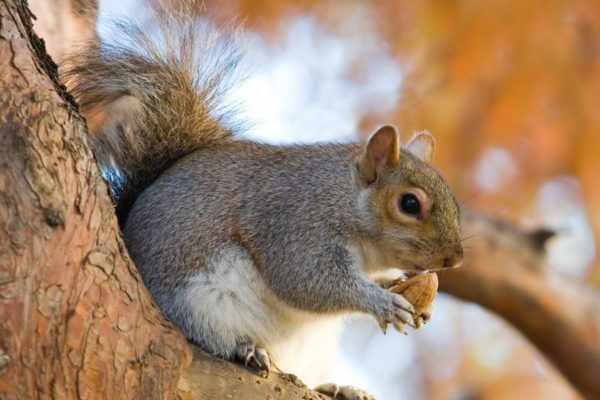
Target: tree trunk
{"type": "Point", "coordinates": [75, 318]}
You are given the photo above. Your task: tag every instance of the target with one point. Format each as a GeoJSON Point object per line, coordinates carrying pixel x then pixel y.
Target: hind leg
{"type": "Point", "coordinates": [343, 392]}
{"type": "Point", "coordinates": [256, 357]}
{"type": "Point", "coordinates": [222, 309]}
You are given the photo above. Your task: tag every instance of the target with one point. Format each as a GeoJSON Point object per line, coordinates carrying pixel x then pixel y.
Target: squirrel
{"type": "Point", "coordinates": [253, 250]}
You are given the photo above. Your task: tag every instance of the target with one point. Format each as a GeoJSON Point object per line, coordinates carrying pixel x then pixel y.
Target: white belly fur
{"type": "Point", "coordinates": [231, 298]}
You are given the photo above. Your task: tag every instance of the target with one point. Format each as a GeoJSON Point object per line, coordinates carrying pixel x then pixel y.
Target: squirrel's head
{"type": "Point", "coordinates": [417, 215]}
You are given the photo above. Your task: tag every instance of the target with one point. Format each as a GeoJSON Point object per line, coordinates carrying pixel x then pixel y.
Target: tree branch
{"type": "Point", "coordinates": [507, 274]}
{"type": "Point", "coordinates": [212, 378]}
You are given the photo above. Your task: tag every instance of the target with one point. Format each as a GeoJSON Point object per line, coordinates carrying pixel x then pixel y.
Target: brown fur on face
{"type": "Point", "coordinates": [431, 242]}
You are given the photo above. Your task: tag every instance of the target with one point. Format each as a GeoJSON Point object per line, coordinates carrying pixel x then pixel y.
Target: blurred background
{"type": "Point", "coordinates": [511, 92]}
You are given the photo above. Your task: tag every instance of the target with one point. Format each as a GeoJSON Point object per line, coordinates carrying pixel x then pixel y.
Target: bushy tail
{"type": "Point", "coordinates": [159, 81]}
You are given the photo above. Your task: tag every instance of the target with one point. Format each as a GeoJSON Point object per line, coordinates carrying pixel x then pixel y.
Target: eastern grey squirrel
{"type": "Point", "coordinates": [253, 250]}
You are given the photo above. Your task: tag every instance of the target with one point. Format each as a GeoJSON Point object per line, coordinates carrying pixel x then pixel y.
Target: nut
{"type": "Point", "coordinates": [420, 290]}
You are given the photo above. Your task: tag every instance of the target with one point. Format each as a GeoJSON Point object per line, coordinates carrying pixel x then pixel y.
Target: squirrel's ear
{"type": "Point", "coordinates": [383, 152]}
{"type": "Point", "coordinates": [421, 146]}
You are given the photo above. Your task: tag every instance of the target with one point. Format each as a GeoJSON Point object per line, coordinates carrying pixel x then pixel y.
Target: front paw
{"type": "Point", "coordinates": [420, 290]}
{"type": "Point", "coordinates": [422, 319]}
{"type": "Point", "coordinates": [343, 392]}
{"type": "Point", "coordinates": [396, 310]}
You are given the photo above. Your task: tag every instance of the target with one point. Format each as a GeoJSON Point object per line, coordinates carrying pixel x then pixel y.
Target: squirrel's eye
{"type": "Point", "coordinates": [409, 204]}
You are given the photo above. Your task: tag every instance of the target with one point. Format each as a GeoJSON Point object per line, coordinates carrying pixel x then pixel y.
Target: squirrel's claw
{"type": "Point", "coordinates": [343, 392]}
{"type": "Point", "coordinates": [404, 312]}
{"type": "Point", "coordinates": [383, 324]}
{"type": "Point", "coordinates": [401, 328]}
{"type": "Point", "coordinates": [255, 357]}
{"type": "Point", "coordinates": [261, 360]}
{"type": "Point", "coordinates": [400, 314]}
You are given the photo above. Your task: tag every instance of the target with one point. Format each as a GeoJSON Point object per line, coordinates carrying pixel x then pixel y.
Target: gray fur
{"type": "Point", "coordinates": [296, 207]}
{"type": "Point", "coordinates": [277, 235]}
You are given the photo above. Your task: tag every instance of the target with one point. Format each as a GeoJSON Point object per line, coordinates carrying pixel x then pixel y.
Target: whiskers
{"type": "Point", "coordinates": [468, 247]}
{"type": "Point", "coordinates": [465, 201]}
{"type": "Point", "coordinates": [462, 240]}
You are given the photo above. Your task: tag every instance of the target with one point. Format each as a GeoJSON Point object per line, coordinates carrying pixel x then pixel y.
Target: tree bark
{"type": "Point", "coordinates": [211, 378]}
{"type": "Point", "coordinates": [64, 23]}
{"type": "Point", "coordinates": [75, 318]}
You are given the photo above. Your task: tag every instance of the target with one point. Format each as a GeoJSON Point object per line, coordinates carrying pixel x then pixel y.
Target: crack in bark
{"type": "Point", "coordinates": [41, 58]}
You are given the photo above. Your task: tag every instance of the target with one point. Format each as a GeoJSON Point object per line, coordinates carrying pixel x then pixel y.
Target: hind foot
{"type": "Point", "coordinates": [255, 357]}
{"type": "Point", "coordinates": [343, 392]}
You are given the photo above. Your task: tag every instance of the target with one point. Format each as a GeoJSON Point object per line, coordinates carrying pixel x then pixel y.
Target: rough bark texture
{"type": "Point", "coordinates": [75, 318]}
{"type": "Point", "coordinates": [211, 378]}
{"type": "Point", "coordinates": [505, 273]}
{"type": "Point", "coordinates": [63, 23]}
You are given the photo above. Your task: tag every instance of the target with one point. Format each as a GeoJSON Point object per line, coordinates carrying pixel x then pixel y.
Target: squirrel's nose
{"type": "Point", "coordinates": [452, 262]}
{"type": "Point", "coordinates": [455, 260]}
